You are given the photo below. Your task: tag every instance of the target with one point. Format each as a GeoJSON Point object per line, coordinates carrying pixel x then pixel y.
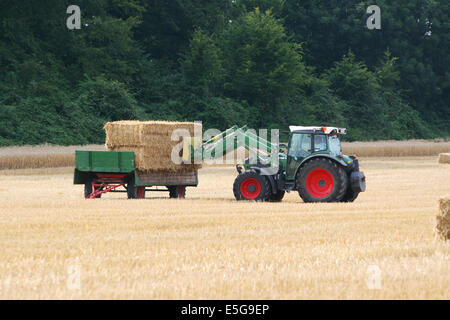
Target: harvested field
{"type": "Point", "coordinates": [209, 246]}
{"type": "Point", "coordinates": [404, 148]}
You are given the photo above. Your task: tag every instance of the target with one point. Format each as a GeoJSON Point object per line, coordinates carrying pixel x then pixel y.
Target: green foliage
{"type": "Point", "coordinates": [265, 63]}
{"type": "Point", "coordinates": [375, 110]}
{"type": "Point", "coordinates": [202, 66]}
{"type": "Point", "coordinates": [387, 74]}
{"type": "Point", "coordinates": [216, 112]}
{"type": "Point", "coordinates": [262, 65]}
{"type": "Point", "coordinates": [274, 6]}
{"type": "Point", "coordinates": [417, 32]}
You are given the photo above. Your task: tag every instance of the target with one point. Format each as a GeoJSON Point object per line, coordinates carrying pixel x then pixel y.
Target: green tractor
{"type": "Point", "coordinates": [311, 163]}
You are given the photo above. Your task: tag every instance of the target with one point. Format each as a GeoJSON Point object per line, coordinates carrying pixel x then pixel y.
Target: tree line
{"type": "Point", "coordinates": [264, 63]}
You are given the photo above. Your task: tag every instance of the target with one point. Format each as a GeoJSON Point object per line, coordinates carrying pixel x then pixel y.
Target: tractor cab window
{"type": "Point", "coordinates": [300, 146]}
{"type": "Point", "coordinates": [320, 142]}
{"type": "Point", "coordinates": [335, 146]}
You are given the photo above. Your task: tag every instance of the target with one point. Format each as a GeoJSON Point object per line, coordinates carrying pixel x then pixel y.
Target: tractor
{"type": "Point", "coordinates": [312, 163]}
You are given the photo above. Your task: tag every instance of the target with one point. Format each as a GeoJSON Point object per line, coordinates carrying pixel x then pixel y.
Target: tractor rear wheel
{"type": "Point", "coordinates": [251, 186]}
{"type": "Point", "coordinates": [277, 197]}
{"type": "Point", "coordinates": [322, 180]}
{"type": "Point", "coordinates": [350, 195]}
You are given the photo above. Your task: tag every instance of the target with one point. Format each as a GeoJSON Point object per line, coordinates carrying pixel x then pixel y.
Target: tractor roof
{"type": "Point", "coordinates": [326, 130]}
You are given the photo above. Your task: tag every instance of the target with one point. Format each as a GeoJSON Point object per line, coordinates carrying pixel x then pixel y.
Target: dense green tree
{"type": "Point", "coordinates": [417, 32]}
{"type": "Point", "coordinates": [374, 110]}
{"type": "Point", "coordinates": [262, 66]}
{"type": "Point", "coordinates": [266, 63]}
{"type": "Point", "coordinates": [203, 65]}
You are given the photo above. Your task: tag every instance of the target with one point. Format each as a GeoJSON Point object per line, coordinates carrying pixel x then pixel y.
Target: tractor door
{"type": "Point", "coordinates": [300, 147]}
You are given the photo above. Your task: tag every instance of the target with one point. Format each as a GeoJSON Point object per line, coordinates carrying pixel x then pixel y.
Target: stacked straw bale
{"type": "Point", "coordinates": [150, 141]}
{"type": "Point", "coordinates": [444, 158]}
{"type": "Point", "coordinates": [443, 219]}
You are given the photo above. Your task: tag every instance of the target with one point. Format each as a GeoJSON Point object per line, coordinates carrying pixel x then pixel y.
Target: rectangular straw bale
{"type": "Point", "coordinates": [444, 158]}
{"type": "Point", "coordinates": [150, 141]}
{"type": "Point", "coordinates": [165, 128]}
{"type": "Point", "coordinates": [443, 219]}
{"type": "Point", "coordinates": [147, 160]}
{"type": "Point", "coordinates": [123, 133]}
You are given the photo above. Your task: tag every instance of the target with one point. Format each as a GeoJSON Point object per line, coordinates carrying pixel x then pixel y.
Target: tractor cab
{"type": "Point", "coordinates": [307, 142]}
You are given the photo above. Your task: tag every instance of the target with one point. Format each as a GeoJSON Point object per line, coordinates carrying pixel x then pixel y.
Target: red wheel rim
{"type": "Point", "coordinates": [250, 188]}
{"type": "Point", "coordinates": [140, 192]}
{"type": "Point", "coordinates": [319, 183]}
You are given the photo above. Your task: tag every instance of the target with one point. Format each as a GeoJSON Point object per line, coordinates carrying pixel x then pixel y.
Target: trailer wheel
{"type": "Point", "coordinates": [251, 186]}
{"type": "Point", "coordinates": [177, 192]}
{"type": "Point", "coordinates": [88, 189]}
{"type": "Point", "coordinates": [135, 192]}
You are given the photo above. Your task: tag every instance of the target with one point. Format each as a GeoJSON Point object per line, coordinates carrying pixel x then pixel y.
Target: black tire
{"type": "Point", "coordinates": [174, 192]}
{"type": "Point", "coordinates": [277, 197]}
{"type": "Point", "coordinates": [350, 195]}
{"type": "Point", "coordinates": [322, 180]}
{"type": "Point", "coordinates": [88, 189]}
{"type": "Point", "coordinates": [251, 186]}
{"type": "Point", "coordinates": [132, 190]}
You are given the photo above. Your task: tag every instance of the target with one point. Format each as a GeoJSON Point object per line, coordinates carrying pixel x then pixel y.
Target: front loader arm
{"type": "Point", "coordinates": [227, 141]}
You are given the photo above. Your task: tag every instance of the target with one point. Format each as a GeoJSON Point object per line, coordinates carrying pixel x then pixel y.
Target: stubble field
{"type": "Point", "coordinates": [55, 244]}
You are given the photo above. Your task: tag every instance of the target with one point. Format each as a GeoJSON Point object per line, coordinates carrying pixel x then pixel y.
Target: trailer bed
{"type": "Point", "coordinates": [109, 171]}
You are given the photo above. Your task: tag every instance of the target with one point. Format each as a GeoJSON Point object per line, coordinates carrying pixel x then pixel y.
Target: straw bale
{"type": "Point", "coordinates": [444, 158]}
{"type": "Point", "coordinates": [443, 219]}
{"type": "Point", "coordinates": [151, 141]}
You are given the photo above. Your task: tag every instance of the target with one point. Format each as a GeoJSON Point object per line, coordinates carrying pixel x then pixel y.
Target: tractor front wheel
{"type": "Point", "coordinates": [277, 197]}
{"type": "Point", "coordinates": [322, 180]}
{"type": "Point", "coordinates": [251, 186]}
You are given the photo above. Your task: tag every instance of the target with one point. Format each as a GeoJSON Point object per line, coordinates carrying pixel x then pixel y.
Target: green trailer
{"type": "Point", "coordinates": [110, 171]}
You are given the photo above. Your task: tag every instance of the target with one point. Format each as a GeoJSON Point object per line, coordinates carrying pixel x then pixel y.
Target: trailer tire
{"type": "Point", "coordinates": [88, 189]}
{"type": "Point", "coordinates": [251, 186]}
{"type": "Point", "coordinates": [177, 192]}
{"type": "Point", "coordinates": [322, 180]}
{"type": "Point", "coordinates": [133, 191]}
